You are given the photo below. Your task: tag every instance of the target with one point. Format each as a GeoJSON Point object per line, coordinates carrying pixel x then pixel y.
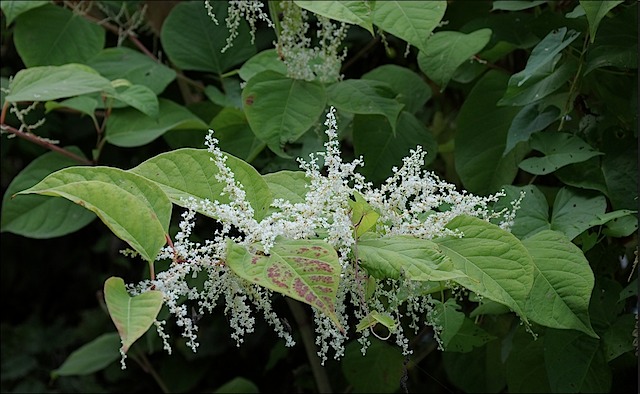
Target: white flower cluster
{"type": "Point", "coordinates": [411, 202]}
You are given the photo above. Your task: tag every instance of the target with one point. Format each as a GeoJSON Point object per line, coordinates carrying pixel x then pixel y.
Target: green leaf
{"type": "Point", "coordinates": [529, 120]}
{"type": "Point", "coordinates": [40, 216]}
{"type": "Point", "coordinates": [620, 170]}
{"type": "Point", "coordinates": [517, 5]}
{"type": "Point", "coordinates": [585, 175]}
{"type": "Point", "coordinates": [375, 141]}
{"type": "Point", "coordinates": [288, 185]}
{"type": "Point", "coordinates": [351, 12]}
{"type": "Point", "coordinates": [238, 385]}
{"type": "Point", "coordinates": [533, 215]}
{"type": "Point", "coordinates": [132, 315]}
{"type": "Point", "coordinates": [91, 357]}
{"type": "Point", "coordinates": [448, 318]}
{"type": "Point", "coordinates": [13, 8]}
{"type": "Point", "coordinates": [262, 61]}
{"type": "Point", "coordinates": [362, 96]}
{"type": "Point", "coordinates": [562, 285]}
{"type": "Point", "coordinates": [622, 227]}
{"type": "Point", "coordinates": [525, 366]}
{"type": "Point", "coordinates": [128, 127]}
{"type": "Point", "coordinates": [573, 359]}
{"type": "Point", "coordinates": [280, 109]}
{"type": "Point", "coordinates": [618, 338]}
{"type": "Point", "coordinates": [52, 35]}
{"type": "Point", "coordinates": [363, 217]}
{"type": "Point", "coordinates": [560, 149]}
{"type": "Point", "coordinates": [305, 270]}
{"type": "Point", "coordinates": [193, 41]}
{"type": "Point", "coordinates": [410, 89]}
{"type": "Point", "coordinates": [406, 256]}
{"type": "Point", "coordinates": [378, 371]}
{"type": "Point", "coordinates": [616, 43]}
{"type": "Point", "coordinates": [141, 98]}
{"type": "Point", "coordinates": [595, 11]}
{"type": "Point", "coordinates": [574, 210]}
{"type": "Point", "coordinates": [135, 210]}
{"type": "Point", "coordinates": [84, 104]}
{"type": "Point", "coordinates": [496, 264]}
{"type": "Point", "coordinates": [447, 50]}
{"type": "Point", "coordinates": [540, 85]}
{"type": "Point", "coordinates": [481, 136]}
{"type": "Point", "coordinates": [190, 173]}
{"type": "Point", "coordinates": [55, 82]}
{"type": "Point", "coordinates": [480, 370]}
{"type": "Point", "coordinates": [135, 67]}
{"type": "Point", "coordinates": [234, 134]}
{"type": "Point", "coordinates": [412, 21]}
{"type": "Point", "coordinates": [544, 54]}
{"type": "Point", "coordinates": [375, 317]}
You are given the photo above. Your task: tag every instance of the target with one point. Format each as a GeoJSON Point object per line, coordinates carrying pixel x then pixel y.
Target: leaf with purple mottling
{"type": "Point", "coordinates": [305, 270]}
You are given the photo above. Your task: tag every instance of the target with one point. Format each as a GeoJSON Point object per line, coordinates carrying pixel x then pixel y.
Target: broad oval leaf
{"type": "Point", "coordinates": [529, 120]}
{"type": "Point", "coordinates": [413, 258]}
{"type": "Point", "coordinates": [55, 82]}
{"type": "Point", "coordinates": [352, 12]}
{"type": "Point", "coordinates": [305, 270]}
{"type": "Point", "coordinates": [281, 109]}
{"type": "Point", "coordinates": [495, 263]}
{"type": "Point", "coordinates": [447, 50]}
{"type": "Point", "coordinates": [135, 209]}
{"type": "Point", "coordinates": [595, 11]}
{"type": "Point", "coordinates": [290, 186]}
{"type": "Point", "coordinates": [12, 8]}
{"type": "Point", "coordinates": [560, 149]}
{"type": "Point", "coordinates": [190, 173]}
{"type": "Point", "coordinates": [380, 370]}
{"type": "Point", "coordinates": [562, 285]}
{"type": "Point", "coordinates": [91, 357]}
{"type": "Point", "coordinates": [574, 210]}
{"type": "Point", "coordinates": [128, 127]}
{"type": "Point", "coordinates": [413, 21]}
{"type": "Point", "coordinates": [41, 216]}
{"type": "Point", "coordinates": [53, 35]}
{"type": "Point", "coordinates": [262, 61]}
{"type": "Point", "coordinates": [533, 214]}
{"type": "Point", "coordinates": [193, 41]}
{"type": "Point", "coordinates": [141, 98]}
{"type": "Point", "coordinates": [132, 316]}
{"type": "Point", "coordinates": [234, 134]}
{"type": "Point", "coordinates": [410, 88]}
{"type": "Point", "coordinates": [135, 67]}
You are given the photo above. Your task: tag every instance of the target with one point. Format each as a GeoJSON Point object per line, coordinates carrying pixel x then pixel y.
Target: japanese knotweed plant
{"type": "Point", "coordinates": [323, 236]}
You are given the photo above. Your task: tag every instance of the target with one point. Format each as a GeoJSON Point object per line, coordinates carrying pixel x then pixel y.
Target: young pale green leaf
{"type": "Point", "coordinates": [40, 216]}
{"type": "Point", "coordinates": [562, 284]}
{"type": "Point", "coordinates": [53, 35]}
{"type": "Point", "coordinates": [190, 173]}
{"type": "Point", "coordinates": [495, 263]}
{"type": "Point", "coordinates": [529, 120]}
{"type": "Point", "coordinates": [374, 318]}
{"type": "Point", "coordinates": [413, 258]}
{"type": "Point", "coordinates": [262, 61]}
{"type": "Point", "coordinates": [55, 82]}
{"type": "Point", "coordinates": [141, 98]}
{"type": "Point", "coordinates": [128, 127]}
{"type": "Point", "coordinates": [135, 209]}
{"type": "Point", "coordinates": [447, 50]}
{"type": "Point", "coordinates": [381, 149]}
{"type": "Point", "coordinates": [478, 149]}
{"type": "Point", "coordinates": [544, 53]}
{"type": "Point", "coordinates": [533, 215]}
{"type": "Point", "coordinates": [135, 67]}
{"type": "Point", "coordinates": [363, 217]}
{"type": "Point", "coordinates": [13, 8]}
{"type": "Point", "coordinates": [539, 86]}
{"type": "Point", "coordinates": [595, 11]}
{"type": "Point", "coordinates": [413, 21]}
{"type": "Point", "coordinates": [234, 134]}
{"type": "Point", "coordinates": [193, 41]}
{"type": "Point", "coordinates": [362, 96]}
{"type": "Point", "coordinates": [290, 186]}
{"type": "Point", "coordinates": [132, 315]}
{"type": "Point", "coordinates": [575, 209]}
{"type": "Point", "coordinates": [305, 270]}
{"type": "Point", "coordinates": [91, 357]}
{"type": "Point", "coordinates": [352, 12]}
{"type": "Point", "coordinates": [574, 361]}
{"type": "Point", "coordinates": [410, 89]}
{"type": "Point", "coordinates": [280, 109]}
{"type": "Point", "coordinates": [560, 149]}
{"type": "Point", "coordinates": [378, 371]}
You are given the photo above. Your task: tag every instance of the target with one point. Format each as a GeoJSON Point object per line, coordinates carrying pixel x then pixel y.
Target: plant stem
{"type": "Point", "coordinates": [574, 83]}
{"type": "Point", "coordinates": [319, 373]}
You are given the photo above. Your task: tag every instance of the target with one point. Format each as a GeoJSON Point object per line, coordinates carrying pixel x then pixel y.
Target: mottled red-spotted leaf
{"type": "Point", "coordinates": [305, 270]}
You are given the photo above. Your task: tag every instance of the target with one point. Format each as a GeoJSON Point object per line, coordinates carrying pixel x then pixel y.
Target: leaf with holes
{"type": "Point", "coordinates": [305, 270]}
{"type": "Point", "coordinates": [132, 315]}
